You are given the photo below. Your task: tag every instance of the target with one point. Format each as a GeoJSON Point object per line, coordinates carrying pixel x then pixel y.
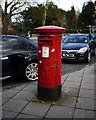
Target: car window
{"type": "Point", "coordinates": [0, 47]}
{"type": "Point", "coordinates": [22, 45]}
{"type": "Point", "coordinates": [31, 47]}
{"type": "Point", "coordinates": [76, 39]}
{"type": "Point", "coordinates": [9, 44]}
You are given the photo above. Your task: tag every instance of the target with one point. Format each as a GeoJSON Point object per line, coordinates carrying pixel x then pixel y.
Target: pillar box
{"type": "Point", "coordinates": [49, 62]}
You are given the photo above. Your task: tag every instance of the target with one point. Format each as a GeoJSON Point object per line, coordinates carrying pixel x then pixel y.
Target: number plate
{"type": "Point", "coordinates": [68, 55]}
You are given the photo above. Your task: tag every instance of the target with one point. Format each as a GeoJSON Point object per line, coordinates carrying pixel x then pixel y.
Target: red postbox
{"type": "Point", "coordinates": [49, 62]}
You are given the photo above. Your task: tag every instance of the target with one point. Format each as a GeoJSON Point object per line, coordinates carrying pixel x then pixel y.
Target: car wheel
{"type": "Point", "coordinates": [31, 71]}
{"type": "Point", "coordinates": [88, 57]}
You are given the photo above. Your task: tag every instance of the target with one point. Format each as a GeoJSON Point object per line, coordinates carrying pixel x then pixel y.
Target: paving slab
{"type": "Point", "coordinates": [85, 93]}
{"type": "Point", "coordinates": [14, 105]}
{"type": "Point", "coordinates": [36, 109]}
{"type": "Point", "coordinates": [8, 114]}
{"type": "Point", "coordinates": [9, 93]}
{"type": "Point", "coordinates": [88, 81]}
{"type": "Point", "coordinates": [70, 91]}
{"type": "Point", "coordinates": [72, 84]}
{"type": "Point", "coordinates": [4, 100]}
{"type": "Point", "coordinates": [79, 113]}
{"type": "Point", "coordinates": [63, 79]}
{"type": "Point", "coordinates": [28, 116]}
{"type": "Point", "coordinates": [77, 73]}
{"type": "Point", "coordinates": [31, 88]}
{"type": "Point", "coordinates": [73, 79]}
{"type": "Point", "coordinates": [66, 101]}
{"type": "Point", "coordinates": [20, 87]}
{"type": "Point", "coordinates": [88, 76]}
{"type": "Point", "coordinates": [60, 112]}
{"type": "Point", "coordinates": [89, 86]}
{"type": "Point", "coordinates": [24, 95]}
{"type": "Point", "coordinates": [85, 103]}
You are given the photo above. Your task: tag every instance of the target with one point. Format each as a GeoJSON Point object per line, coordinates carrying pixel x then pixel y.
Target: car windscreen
{"type": "Point", "coordinates": [76, 39]}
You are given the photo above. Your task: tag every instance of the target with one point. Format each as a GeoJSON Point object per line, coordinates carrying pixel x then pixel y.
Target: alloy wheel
{"type": "Point", "coordinates": [31, 71]}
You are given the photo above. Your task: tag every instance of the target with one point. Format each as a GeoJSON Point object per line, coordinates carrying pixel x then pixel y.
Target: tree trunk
{"type": "Point", "coordinates": [45, 14]}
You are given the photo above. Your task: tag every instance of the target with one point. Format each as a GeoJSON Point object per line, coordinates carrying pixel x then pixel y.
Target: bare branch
{"type": "Point", "coordinates": [9, 4]}
{"type": "Point", "coordinates": [6, 7]}
{"type": "Point", "coordinates": [16, 8]}
{"type": "Point", "coordinates": [15, 14]}
{"type": "Point", "coordinates": [13, 6]}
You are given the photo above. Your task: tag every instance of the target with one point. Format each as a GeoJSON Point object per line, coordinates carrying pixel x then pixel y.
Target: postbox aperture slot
{"type": "Point", "coordinates": [47, 42]}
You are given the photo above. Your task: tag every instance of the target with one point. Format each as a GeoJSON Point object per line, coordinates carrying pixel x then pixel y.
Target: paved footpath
{"type": "Point", "coordinates": [77, 100]}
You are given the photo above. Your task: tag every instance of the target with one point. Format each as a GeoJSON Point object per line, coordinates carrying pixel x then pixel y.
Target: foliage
{"type": "Point", "coordinates": [86, 17]}
{"type": "Point", "coordinates": [31, 19]}
{"type": "Point", "coordinates": [11, 9]}
{"type": "Point", "coordinates": [46, 14]}
{"type": "Point", "coordinates": [54, 16]}
{"type": "Point", "coordinates": [71, 19]}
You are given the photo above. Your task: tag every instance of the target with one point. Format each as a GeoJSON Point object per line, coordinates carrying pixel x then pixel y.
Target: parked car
{"type": "Point", "coordinates": [78, 47]}
{"type": "Point", "coordinates": [94, 37]}
{"type": "Point", "coordinates": [18, 57]}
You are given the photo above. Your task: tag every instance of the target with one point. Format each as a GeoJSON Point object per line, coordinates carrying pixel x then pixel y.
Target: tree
{"type": "Point", "coordinates": [34, 16]}
{"type": "Point", "coordinates": [83, 8]}
{"type": "Point", "coordinates": [71, 19]}
{"type": "Point", "coordinates": [47, 4]}
{"type": "Point", "coordinates": [11, 9]}
{"type": "Point", "coordinates": [54, 15]}
{"type": "Point", "coordinates": [86, 17]}
{"type": "Point", "coordinates": [45, 12]}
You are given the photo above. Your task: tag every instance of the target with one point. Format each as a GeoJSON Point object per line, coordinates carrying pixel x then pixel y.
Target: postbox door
{"type": "Point", "coordinates": [49, 65]}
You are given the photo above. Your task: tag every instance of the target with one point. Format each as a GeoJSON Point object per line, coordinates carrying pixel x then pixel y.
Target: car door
{"type": "Point", "coordinates": [9, 45]}
{"type": "Point", "coordinates": [14, 52]}
{"type": "Point", "coordinates": [18, 57]}
{"type": "Point", "coordinates": [33, 52]}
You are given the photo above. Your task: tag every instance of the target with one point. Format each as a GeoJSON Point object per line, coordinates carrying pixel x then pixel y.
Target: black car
{"type": "Point", "coordinates": [18, 57]}
{"type": "Point", "coordinates": [78, 47]}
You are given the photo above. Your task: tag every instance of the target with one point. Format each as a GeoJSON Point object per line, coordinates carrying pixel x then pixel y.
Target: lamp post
{"type": "Point", "coordinates": [90, 26]}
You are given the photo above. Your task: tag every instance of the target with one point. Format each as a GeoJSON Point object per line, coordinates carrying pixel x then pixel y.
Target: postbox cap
{"type": "Point", "coordinates": [50, 29]}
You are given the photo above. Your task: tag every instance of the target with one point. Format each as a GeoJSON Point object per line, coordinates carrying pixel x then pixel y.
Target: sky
{"type": "Point", "coordinates": [64, 4]}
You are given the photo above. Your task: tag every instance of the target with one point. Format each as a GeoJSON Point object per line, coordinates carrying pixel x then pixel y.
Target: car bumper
{"type": "Point", "coordinates": [74, 56]}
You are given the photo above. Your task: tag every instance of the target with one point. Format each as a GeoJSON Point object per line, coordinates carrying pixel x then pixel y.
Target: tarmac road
{"type": "Point", "coordinates": [67, 67]}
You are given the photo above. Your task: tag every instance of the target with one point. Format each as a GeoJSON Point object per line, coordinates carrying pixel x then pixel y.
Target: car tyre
{"type": "Point", "coordinates": [31, 71]}
{"type": "Point", "coordinates": [88, 57]}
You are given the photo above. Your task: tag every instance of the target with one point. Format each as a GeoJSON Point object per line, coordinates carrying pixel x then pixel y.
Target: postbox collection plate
{"type": "Point", "coordinates": [45, 52]}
